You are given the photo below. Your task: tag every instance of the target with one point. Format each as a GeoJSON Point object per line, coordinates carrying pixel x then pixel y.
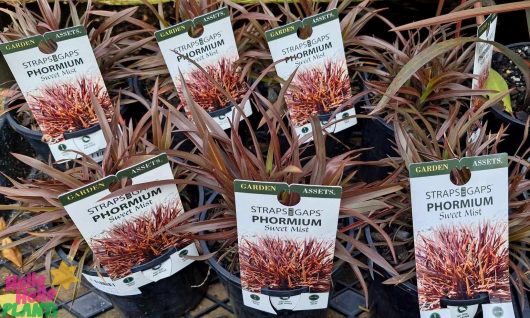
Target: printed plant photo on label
{"type": "Point", "coordinates": [279, 264]}
{"type": "Point", "coordinates": [205, 93]}
{"type": "Point", "coordinates": [202, 55]}
{"type": "Point", "coordinates": [67, 107]}
{"type": "Point", "coordinates": [461, 261]}
{"type": "Point", "coordinates": [318, 91]}
{"type": "Point", "coordinates": [134, 241]}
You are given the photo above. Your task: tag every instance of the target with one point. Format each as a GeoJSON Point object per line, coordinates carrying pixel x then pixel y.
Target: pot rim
{"type": "Point", "coordinates": [284, 293]}
{"type": "Point", "coordinates": [480, 298]}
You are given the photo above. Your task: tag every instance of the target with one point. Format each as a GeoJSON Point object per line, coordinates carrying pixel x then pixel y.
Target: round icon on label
{"type": "Point", "coordinates": [435, 315]}
{"type": "Point", "coordinates": [183, 253]}
{"type": "Point", "coordinates": [461, 309]}
{"type": "Point", "coordinates": [62, 147]}
{"type": "Point", "coordinates": [497, 312]}
{"type": "Point", "coordinates": [128, 280]}
{"type": "Point", "coordinates": [345, 115]}
{"type": "Point", "coordinates": [254, 297]}
{"type": "Point", "coordinates": [156, 267]}
{"type": "Point", "coordinates": [305, 130]}
{"type": "Point", "coordinates": [85, 139]}
{"type": "Point", "coordinates": [285, 298]}
{"type": "Point", "coordinates": [314, 297]}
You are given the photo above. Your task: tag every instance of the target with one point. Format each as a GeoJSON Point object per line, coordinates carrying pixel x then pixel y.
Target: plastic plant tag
{"type": "Point", "coordinates": [106, 222]}
{"type": "Point", "coordinates": [483, 55]}
{"type": "Point", "coordinates": [58, 76]}
{"type": "Point", "coordinates": [321, 84]}
{"type": "Point", "coordinates": [460, 218]}
{"type": "Point", "coordinates": [215, 51]}
{"type": "Point", "coordinates": [286, 251]}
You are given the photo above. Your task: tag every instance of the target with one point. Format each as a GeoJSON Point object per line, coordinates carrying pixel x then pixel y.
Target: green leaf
{"type": "Point", "coordinates": [496, 82]}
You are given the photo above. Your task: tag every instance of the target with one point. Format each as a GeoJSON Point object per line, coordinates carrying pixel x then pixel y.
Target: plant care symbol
{"type": "Point", "coordinates": [85, 139]}
{"type": "Point", "coordinates": [183, 253]}
{"type": "Point", "coordinates": [314, 297]}
{"type": "Point", "coordinates": [254, 297]}
{"type": "Point", "coordinates": [62, 147]}
{"type": "Point", "coordinates": [497, 312]}
{"type": "Point", "coordinates": [435, 315]}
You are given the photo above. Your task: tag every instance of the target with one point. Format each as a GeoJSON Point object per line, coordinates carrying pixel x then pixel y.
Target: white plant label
{"type": "Point", "coordinates": [58, 86]}
{"type": "Point", "coordinates": [286, 252]}
{"type": "Point", "coordinates": [321, 85]}
{"type": "Point", "coordinates": [483, 55]}
{"type": "Point", "coordinates": [461, 236]}
{"type": "Point", "coordinates": [99, 219]}
{"type": "Point", "coordinates": [215, 50]}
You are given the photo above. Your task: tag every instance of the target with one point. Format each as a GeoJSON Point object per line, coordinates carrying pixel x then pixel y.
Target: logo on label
{"type": "Point", "coordinates": [128, 280]}
{"type": "Point", "coordinates": [462, 309]}
{"type": "Point", "coordinates": [305, 130]}
{"type": "Point", "coordinates": [435, 315]}
{"type": "Point", "coordinates": [183, 253]}
{"type": "Point", "coordinates": [497, 312]}
{"type": "Point", "coordinates": [62, 147]}
{"type": "Point", "coordinates": [29, 297]}
{"type": "Point", "coordinates": [156, 267]}
{"type": "Point", "coordinates": [254, 297]}
{"type": "Point", "coordinates": [85, 139]}
{"type": "Point", "coordinates": [314, 297]}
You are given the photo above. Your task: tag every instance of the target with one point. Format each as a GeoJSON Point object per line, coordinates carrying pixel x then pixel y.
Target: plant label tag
{"type": "Point", "coordinates": [460, 218]}
{"type": "Point", "coordinates": [286, 250]}
{"type": "Point", "coordinates": [121, 229]}
{"type": "Point", "coordinates": [58, 77]}
{"type": "Point", "coordinates": [483, 55]}
{"type": "Point", "coordinates": [215, 50]}
{"type": "Point", "coordinates": [321, 85]}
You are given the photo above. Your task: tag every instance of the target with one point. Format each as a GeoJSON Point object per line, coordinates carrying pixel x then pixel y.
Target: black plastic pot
{"type": "Point", "coordinates": [34, 138]}
{"type": "Point", "coordinates": [379, 136]}
{"type": "Point", "coordinates": [481, 298]}
{"type": "Point", "coordinates": [167, 298]}
{"type": "Point", "coordinates": [498, 116]}
{"type": "Point", "coordinates": [222, 111]}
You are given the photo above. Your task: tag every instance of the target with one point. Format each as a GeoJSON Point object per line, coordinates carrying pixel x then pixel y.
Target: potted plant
{"type": "Point", "coordinates": [414, 145]}
{"type": "Point", "coordinates": [109, 48]}
{"type": "Point", "coordinates": [221, 158]}
{"type": "Point", "coordinates": [40, 215]}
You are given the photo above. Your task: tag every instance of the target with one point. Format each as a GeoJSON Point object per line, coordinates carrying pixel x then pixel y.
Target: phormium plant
{"type": "Point", "coordinates": [456, 263]}
{"type": "Point", "coordinates": [69, 108]}
{"type": "Point", "coordinates": [206, 94]}
{"type": "Point", "coordinates": [135, 242]}
{"type": "Point", "coordinates": [318, 91]}
{"type": "Point", "coordinates": [274, 263]}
